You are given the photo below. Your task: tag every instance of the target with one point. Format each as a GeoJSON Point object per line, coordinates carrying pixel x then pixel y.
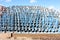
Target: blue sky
{"type": "Point", "coordinates": [44, 3]}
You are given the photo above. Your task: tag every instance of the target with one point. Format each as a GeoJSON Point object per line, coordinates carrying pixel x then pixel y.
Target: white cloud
{"type": "Point", "coordinates": [1, 5]}
{"type": "Point", "coordinates": [8, 0]}
{"type": "Point", "coordinates": [51, 7]}
{"type": "Point", "coordinates": [32, 1]}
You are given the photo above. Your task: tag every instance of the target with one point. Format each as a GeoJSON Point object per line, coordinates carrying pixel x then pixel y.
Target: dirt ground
{"type": "Point", "coordinates": [7, 36]}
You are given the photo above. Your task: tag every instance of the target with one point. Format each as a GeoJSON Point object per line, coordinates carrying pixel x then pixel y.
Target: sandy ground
{"type": "Point", "coordinates": [7, 36]}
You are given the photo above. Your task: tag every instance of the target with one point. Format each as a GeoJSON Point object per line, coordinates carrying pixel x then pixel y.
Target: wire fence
{"type": "Point", "coordinates": [29, 19]}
